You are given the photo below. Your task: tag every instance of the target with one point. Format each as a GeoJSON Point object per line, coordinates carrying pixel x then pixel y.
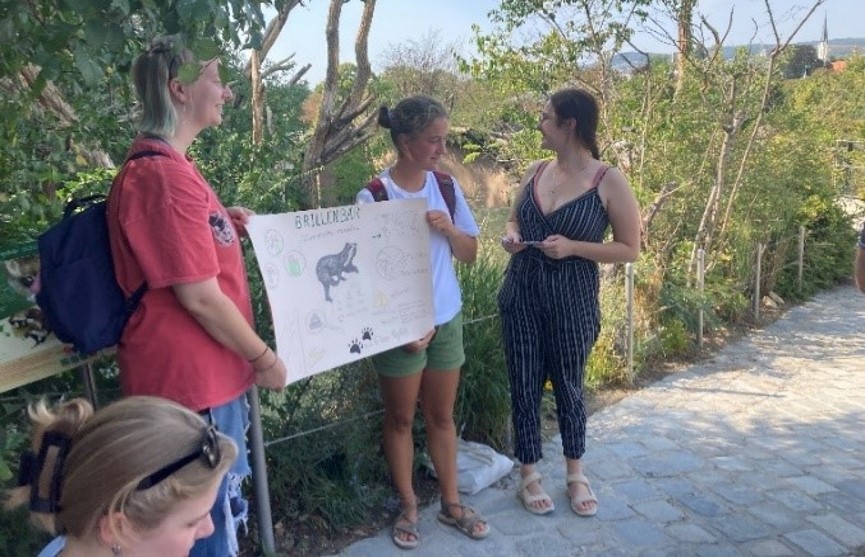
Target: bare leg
{"type": "Point", "coordinates": [400, 401]}
{"type": "Point", "coordinates": [438, 396]}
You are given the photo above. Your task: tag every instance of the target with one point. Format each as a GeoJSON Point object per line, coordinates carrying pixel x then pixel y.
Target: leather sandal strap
{"type": "Point", "coordinates": [535, 476]}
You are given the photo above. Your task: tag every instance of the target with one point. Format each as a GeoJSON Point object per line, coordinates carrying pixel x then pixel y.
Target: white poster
{"type": "Point", "coordinates": [346, 282]}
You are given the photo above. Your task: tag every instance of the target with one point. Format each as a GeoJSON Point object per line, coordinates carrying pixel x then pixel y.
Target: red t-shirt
{"type": "Point", "coordinates": [167, 227]}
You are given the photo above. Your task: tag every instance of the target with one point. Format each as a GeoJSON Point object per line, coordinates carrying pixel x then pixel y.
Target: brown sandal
{"type": "Point", "coordinates": [465, 523]}
{"type": "Point", "coordinates": [403, 525]}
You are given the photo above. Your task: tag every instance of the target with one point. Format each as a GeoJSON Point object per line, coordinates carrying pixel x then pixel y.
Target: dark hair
{"type": "Point", "coordinates": [583, 108]}
{"type": "Point", "coordinates": [410, 116]}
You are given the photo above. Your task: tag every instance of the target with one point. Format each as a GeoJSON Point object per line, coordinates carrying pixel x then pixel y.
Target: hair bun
{"type": "Point", "coordinates": [384, 117]}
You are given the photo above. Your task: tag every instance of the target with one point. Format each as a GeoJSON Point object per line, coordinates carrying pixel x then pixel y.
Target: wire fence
{"type": "Point", "coordinates": [630, 345]}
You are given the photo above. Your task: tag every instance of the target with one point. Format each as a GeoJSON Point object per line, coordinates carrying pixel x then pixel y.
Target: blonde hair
{"type": "Point", "coordinates": [151, 73]}
{"type": "Point", "coordinates": [110, 453]}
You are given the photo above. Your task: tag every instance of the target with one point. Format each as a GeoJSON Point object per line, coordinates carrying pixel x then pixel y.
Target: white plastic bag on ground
{"type": "Point", "coordinates": [478, 466]}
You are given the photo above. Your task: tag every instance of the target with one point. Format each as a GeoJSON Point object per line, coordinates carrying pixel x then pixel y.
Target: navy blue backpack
{"type": "Point", "coordinates": [79, 296]}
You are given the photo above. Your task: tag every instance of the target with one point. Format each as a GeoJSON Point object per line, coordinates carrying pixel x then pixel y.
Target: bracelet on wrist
{"type": "Point", "coordinates": [260, 356]}
{"type": "Point", "coordinates": [270, 367]}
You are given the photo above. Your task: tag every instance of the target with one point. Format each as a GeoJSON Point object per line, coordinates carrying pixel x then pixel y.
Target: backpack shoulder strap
{"type": "Point", "coordinates": [377, 189]}
{"type": "Point", "coordinates": [447, 189]}
{"type": "Point", "coordinates": [133, 301]}
{"type": "Point", "coordinates": [142, 154]}
{"type": "Point", "coordinates": [136, 156]}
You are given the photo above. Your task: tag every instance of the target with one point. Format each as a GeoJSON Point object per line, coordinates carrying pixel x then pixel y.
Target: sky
{"type": "Point", "coordinates": [399, 21]}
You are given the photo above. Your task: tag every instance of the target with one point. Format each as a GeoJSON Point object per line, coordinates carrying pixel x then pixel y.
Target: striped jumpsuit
{"type": "Point", "coordinates": [551, 317]}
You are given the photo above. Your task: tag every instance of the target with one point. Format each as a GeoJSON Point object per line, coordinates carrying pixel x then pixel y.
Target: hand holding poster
{"type": "Point", "coordinates": [346, 282]}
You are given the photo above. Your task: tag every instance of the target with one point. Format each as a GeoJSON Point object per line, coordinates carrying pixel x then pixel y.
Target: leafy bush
{"type": "Point", "coordinates": [482, 410]}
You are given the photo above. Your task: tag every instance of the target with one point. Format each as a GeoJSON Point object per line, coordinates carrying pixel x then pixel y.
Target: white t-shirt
{"type": "Point", "coordinates": [447, 300]}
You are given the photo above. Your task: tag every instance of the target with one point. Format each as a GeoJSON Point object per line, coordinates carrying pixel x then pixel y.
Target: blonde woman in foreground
{"type": "Point", "coordinates": [137, 478]}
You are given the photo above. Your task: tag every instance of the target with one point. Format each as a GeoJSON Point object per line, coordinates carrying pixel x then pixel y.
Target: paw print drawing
{"type": "Point", "coordinates": [355, 347]}
{"type": "Point", "coordinates": [366, 334]}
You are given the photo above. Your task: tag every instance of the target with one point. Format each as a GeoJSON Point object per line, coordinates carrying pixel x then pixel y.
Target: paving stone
{"type": "Point", "coordinates": [769, 548]}
{"type": "Point", "coordinates": [517, 522]}
{"type": "Point", "coordinates": [666, 464]}
{"type": "Point", "coordinates": [640, 533]}
{"type": "Point", "coordinates": [613, 470]}
{"type": "Point", "coordinates": [725, 550]}
{"type": "Point", "coordinates": [738, 495]}
{"type": "Point", "coordinates": [635, 490]}
{"type": "Point", "coordinates": [855, 488]}
{"type": "Point", "coordinates": [628, 449]}
{"type": "Point", "coordinates": [815, 543]}
{"type": "Point", "coordinates": [690, 532]}
{"type": "Point", "coordinates": [582, 533]}
{"type": "Point", "coordinates": [738, 528]}
{"type": "Point", "coordinates": [658, 444]}
{"type": "Point", "coordinates": [659, 511]}
{"type": "Point", "coordinates": [777, 515]}
{"type": "Point", "coordinates": [781, 468]}
{"type": "Point", "coordinates": [810, 485]}
{"type": "Point", "coordinates": [840, 529]}
{"type": "Point", "coordinates": [613, 508]}
{"type": "Point", "coordinates": [796, 501]}
{"type": "Point", "coordinates": [676, 487]}
{"type": "Point", "coordinates": [703, 505]}
{"type": "Point", "coordinates": [732, 464]}
{"type": "Point", "coordinates": [542, 545]}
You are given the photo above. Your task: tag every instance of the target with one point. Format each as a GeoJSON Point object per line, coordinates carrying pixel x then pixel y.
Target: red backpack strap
{"type": "Point", "coordinates": [377, 189]}
{"type": "Point", "coordinates": [448, 190]}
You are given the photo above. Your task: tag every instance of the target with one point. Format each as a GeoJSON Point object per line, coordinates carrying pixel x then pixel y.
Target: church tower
{"type": "Point", "coordinates": [823, 47]}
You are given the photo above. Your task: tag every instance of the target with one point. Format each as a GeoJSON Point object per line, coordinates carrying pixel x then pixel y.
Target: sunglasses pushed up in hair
{"type": "Point", "coordinates": [208, 452]}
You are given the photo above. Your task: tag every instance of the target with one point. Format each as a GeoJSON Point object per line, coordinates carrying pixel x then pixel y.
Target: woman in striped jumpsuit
{"type": "Point", "coordinates": [549, 298]}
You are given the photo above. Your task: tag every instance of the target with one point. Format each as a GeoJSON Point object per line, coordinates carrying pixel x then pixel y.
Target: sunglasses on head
{"type": "Point", "coordinates": [208, 452]}
{"type": "Point", "coordinates": [167, 48]}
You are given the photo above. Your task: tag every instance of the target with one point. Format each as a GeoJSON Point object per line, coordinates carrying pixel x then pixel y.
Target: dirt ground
{"type": "Point", "coordinates": [309, 540]}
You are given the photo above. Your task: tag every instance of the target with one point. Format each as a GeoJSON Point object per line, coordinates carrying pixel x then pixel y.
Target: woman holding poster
{"type": "Point", "coordinates": [429, 368]}
{"type": "Point", "coordinates": [191, 339]}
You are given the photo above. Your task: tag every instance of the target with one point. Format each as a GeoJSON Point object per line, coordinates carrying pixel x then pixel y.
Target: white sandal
{"type": "Point", "coordinates": [578, 501]}
{"type": "Point", "coordinates": [527, 498]}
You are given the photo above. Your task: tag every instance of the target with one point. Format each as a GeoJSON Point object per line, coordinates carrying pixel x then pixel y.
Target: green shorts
{"type": "Point", "coordinates": [444, 353]}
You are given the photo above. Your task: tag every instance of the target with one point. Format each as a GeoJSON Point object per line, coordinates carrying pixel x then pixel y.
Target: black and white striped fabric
{"type": "Point", "coordinates": [550, 319]}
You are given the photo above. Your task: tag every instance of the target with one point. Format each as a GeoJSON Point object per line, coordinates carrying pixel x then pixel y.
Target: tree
{"type": "Point", "coordinates": [801, 61]}
{"type": "Point", "coordinates": [258, 74]}
{"type": "Point", "coordinates": [426, 65]}
{"type": "Point", "coordinates": [65, 64]}
{"type": "Point", "coordinates": [336, 131]}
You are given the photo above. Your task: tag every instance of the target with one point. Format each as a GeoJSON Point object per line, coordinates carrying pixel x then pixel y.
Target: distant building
{"type": "Point", "coordinates": [823, 47]}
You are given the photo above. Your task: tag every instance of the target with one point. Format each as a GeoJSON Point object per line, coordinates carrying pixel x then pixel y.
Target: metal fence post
{"type": "Point", "coordinates": [701, 276]}
{"type": "Point", "coordinates": [757, 281]}
{"type": "Point", "coordinates": [259, 474]}
{"type": "Point", "coordinates": [629, 296]}
{"type": "Point", "coordinates": [89, 380]}
{"type": "Point", "coordinates": [801, 257]}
